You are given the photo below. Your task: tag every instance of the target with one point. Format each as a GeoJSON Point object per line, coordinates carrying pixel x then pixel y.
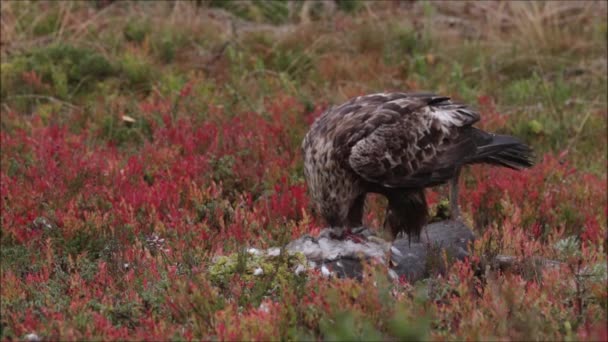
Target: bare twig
{"type": "Point", "coordinates": [578, 131]}
{"type": "Point", "coordinates": [80, 30]}
{"type": "Point", "coordinates": [45, 97]}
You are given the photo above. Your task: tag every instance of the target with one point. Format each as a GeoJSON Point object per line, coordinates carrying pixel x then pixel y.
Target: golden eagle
{"type": "Point", "coordinates": [397, 144]}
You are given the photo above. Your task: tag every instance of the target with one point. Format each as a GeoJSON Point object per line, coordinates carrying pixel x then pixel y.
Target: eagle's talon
{"type": "Point", "coordinates": [347, 234]}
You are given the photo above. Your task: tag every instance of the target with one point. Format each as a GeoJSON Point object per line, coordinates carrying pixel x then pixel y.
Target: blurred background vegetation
{"type": "Point", "coordinates": [542, 65]}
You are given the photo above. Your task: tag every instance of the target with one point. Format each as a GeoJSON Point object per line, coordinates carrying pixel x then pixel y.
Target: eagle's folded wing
{"type": "Point", "coordinates": [416, 146]}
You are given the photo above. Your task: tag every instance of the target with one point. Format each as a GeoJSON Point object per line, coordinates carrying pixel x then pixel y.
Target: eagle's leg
{"type": "Point", "coordinates": [407, 212]}
{"type": "Point", "coordinates": [454, 208]}
{"type": "Point", "coordinates": [355, 213]}
{"type": "Point", "coordinates": [354, 219]}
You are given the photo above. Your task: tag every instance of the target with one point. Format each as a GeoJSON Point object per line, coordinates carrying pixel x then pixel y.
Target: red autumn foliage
{"type": "Point", "coordinates": [213, 185]}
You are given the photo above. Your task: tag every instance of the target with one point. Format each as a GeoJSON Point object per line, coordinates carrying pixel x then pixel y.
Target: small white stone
{"type": "Point", "coordinates": [325, 271]}
{"type": "Point", "coordinates": [253, 251]}
{"type": "Point", "coordinates": [299, 269]}
{"type": "Point", "coordinates": [393, 274]}
{"type": "Point", "coordinates": [264, 307]}
{"type": "Point", "coordinates": [258, 271]}
{"type": "Point", "coordinates": [32, 337]}
{"type": "Point", "coordinates": [275, 251]}
{"type": "Point", "coordinates": [125, 265]}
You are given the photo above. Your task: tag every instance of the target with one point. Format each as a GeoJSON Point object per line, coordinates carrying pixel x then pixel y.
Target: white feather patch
{"type": "Point", "coordinates": [446, 117]}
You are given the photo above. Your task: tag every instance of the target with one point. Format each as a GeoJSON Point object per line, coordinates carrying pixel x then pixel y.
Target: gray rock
{"type": "Point", "coordinates": [412, 260]}
{"type": "Point", "coordinates": [418, 260]}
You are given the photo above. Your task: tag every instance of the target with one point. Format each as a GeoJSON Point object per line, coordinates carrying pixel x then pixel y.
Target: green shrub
{"type": "Point", "coordinates": [296, 63]}
{"type": "Point", "coordinates": [138, 71]}
{"type": "Point", "coordinates": [64, 70]}
{"type": "Point", "coordinates": [349, 326]}
{"type": "Point", "coordinates": [271, 11]}
{"type": "Point", "coordinates": [47, 25]}
{"type": "Point", "coordinates": [122, 133]}
{"type": "Point", "coordinates": [349, 6]}
{"type": "Point", "coordinates": [166, 43]}
{"type": "Point", "coordinates": [136, 31]}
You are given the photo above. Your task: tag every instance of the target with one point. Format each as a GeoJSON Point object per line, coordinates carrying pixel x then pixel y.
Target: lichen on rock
{"type": "Point", "coordinates": [253, 263]}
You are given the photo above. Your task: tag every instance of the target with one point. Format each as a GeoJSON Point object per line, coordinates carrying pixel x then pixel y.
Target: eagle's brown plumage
{"type": "Point", "coordinates": [396, 144]}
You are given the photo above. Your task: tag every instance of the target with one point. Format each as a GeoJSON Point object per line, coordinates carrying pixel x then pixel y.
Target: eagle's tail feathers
{"type": "Point", "coordinates": [506, 151]}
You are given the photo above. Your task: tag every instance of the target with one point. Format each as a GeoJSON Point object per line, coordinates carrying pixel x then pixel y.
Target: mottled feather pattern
{"type": "Point", "coordinates": [406, 133]}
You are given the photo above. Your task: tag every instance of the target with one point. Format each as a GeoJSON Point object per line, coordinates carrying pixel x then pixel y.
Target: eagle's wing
{"type": "Point", "coordinates": [411, 140]}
